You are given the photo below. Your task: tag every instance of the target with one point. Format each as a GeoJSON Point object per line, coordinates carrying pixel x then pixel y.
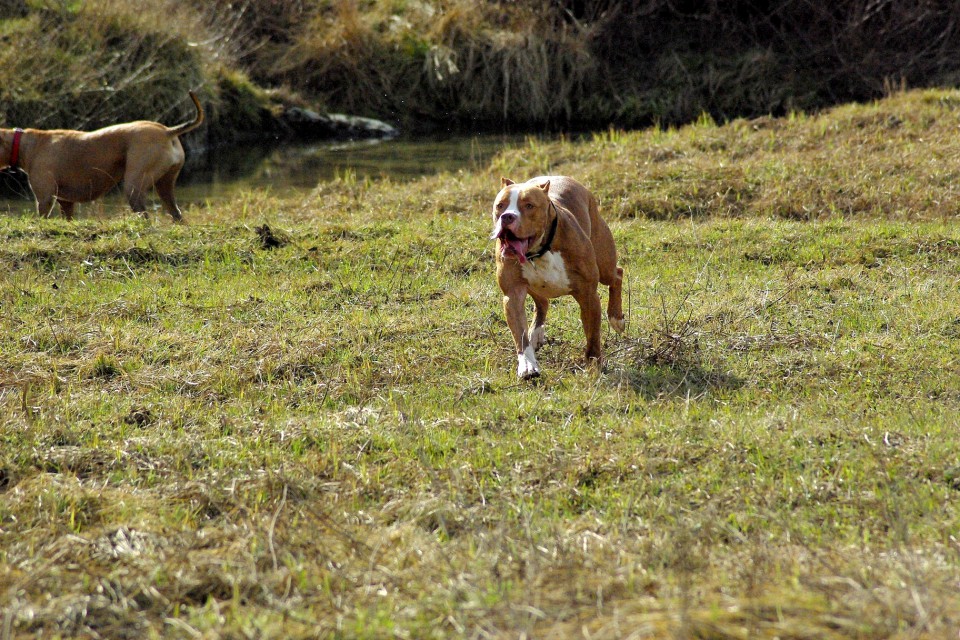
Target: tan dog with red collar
{"type": "Point", "coordinates": [552, 242]}
{"type": "Point", "coordinates": [67, 167]}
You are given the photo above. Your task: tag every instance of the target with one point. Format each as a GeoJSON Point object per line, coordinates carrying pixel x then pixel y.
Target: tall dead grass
{"type": "Point", "coordinates": [599, 62]}
{"type": "Point", "coordinates": [459, 64]}
{"type": "Point", "coordinates": [533, 72]}
{"type": "Point", "coordinates": [340, 53]}
{"type": "Point", "coordinates": [463, 62]}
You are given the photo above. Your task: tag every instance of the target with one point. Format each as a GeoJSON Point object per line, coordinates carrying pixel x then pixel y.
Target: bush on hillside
{"type": "Point", "coordinates": [673, 60]}
{"type": "Point", "coordinates": [597, 62]}
{"type": "Point", "coordinates": [105, 61]}
{"type": "Point", "coordinates": [460, 63]}
{"type": "Point", "coordinates": [464, 64]}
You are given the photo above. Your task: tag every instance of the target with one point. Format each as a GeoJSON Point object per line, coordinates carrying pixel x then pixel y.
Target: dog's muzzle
{"type": "Point", "coordinates": [510, 243]}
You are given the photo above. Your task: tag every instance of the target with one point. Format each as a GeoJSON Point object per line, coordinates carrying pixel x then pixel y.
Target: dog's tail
{"type": "Point", "coordinates": [181, 129]}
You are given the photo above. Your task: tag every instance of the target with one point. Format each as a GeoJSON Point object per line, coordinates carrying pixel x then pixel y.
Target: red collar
{"type": "Point", "coordinates": [15, 150]}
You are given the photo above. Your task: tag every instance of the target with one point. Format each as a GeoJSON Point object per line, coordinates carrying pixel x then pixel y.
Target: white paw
{"type": "Point", "coordinates": [538, 337]}
{"type": "Point", "coordinates": [617, 324]}
{"type": "Point", "coordinates": [527, 366]}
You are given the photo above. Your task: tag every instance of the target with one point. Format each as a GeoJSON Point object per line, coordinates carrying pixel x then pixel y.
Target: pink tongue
{"type": "Point", "coordinates": [519, 247]}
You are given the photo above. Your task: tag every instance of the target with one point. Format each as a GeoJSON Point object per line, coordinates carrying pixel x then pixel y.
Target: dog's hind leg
{"type": "Point", "coordinates": [139, 177]}
{"type": "Point", "coordinates": [590, 316]}
{"type": "Point", "coordinates": [164, 187]}
{"type": "Point", "coordinates": [610, 274]}
{"type": "Point", "coordinates": [615, 303]}
{"type": "Point", "coordinates": [137, 198]}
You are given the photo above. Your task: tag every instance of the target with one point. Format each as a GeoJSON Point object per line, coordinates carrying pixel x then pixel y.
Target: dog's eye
{"type": "Point", "coordinates": [528, 206]}
{"type": "Point", "coordinates": [501, 204]}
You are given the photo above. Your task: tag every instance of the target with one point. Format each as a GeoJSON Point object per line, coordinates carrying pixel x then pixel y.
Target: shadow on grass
{"type": "Point", "coordinates": [657, 381]}
{"type": "Point", "coordinates": [668, 365]}
{"type": "Point", "coordinates": [65, 258]}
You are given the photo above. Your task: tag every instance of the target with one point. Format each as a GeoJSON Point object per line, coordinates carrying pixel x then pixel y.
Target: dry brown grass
{"type": "Point", "coordinates": [461, 62]}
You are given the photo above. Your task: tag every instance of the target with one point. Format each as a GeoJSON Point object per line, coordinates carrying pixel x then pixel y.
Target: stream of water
{"type": "Point", "coordinates": [223, 173]}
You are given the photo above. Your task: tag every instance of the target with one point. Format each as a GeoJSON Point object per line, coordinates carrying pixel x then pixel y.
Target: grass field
{"type": "Point", "coordinates": [298, 416]}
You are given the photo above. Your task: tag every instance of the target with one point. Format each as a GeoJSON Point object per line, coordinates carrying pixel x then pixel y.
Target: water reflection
{"type": "Point", "coordinates": [222, 173]}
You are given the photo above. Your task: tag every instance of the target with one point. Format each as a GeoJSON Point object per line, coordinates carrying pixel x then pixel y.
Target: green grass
{"type": "Point", "coordinates": [202, 437]}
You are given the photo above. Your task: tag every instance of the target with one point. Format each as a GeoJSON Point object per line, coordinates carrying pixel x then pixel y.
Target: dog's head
{"type": "Point", "coordinates": [6, 148]}
{"type": "Point", "coordinates": [10, 147]}
{"type": "Point", "coordinates": [520, 215]}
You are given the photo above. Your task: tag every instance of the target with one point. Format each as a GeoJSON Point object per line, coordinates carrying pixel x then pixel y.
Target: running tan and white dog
{"type": "Point", "coordinates": [552, 242]}
{"type": "Point", "coordinates": [67, 167]}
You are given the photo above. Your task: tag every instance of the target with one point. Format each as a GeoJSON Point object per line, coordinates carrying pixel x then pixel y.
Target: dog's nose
{"type": "Point", "coordinates": [503, 223]}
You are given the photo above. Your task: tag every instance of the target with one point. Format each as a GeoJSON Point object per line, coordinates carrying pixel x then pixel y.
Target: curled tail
{"type": "Point", "coordinates": [181, 129]}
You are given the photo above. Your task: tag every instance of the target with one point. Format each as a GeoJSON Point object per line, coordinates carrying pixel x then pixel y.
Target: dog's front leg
{"type": "Point", "coordinates": [44, 194]}
{"type": "Point", "coordinates": [527, 366]}
{"type": "Point", "coordinates": [45, 206]}
{"type": "Point", "coordinates": [66, 208]}
{"type": "Point", "coordinates": [537, 334]}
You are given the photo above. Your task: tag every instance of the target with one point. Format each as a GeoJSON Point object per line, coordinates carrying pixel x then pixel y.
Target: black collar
{"type": "Point", "coordinates": [546, 244]}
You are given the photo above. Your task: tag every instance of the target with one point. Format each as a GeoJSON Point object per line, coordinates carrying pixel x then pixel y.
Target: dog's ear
{"type": "Point", "coordinates": [545, 186]}
{"type": "Point", "coordinates": [505, 182]}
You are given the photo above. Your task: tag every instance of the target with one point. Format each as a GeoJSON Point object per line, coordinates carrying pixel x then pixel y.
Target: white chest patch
{"type": "Point", "coordinates": [547, 275]}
